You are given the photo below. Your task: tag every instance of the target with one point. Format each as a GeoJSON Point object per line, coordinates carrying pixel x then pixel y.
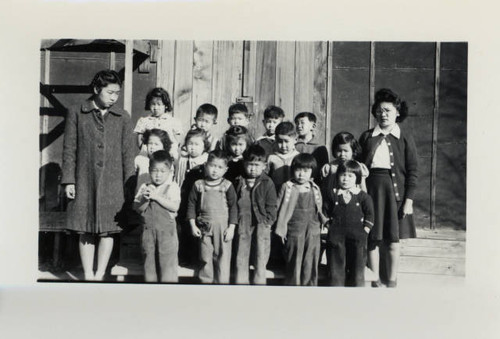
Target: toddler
{"type": "Point", "coordinates": [205, 119]}
{"type": "Point", "coordinates": [256, 214]}
{"type": "Point", "coordinates": [351, 218]}
{"type": "Point", "coordinates": [273, 115]}
{"type": "Point", "coordinates": [212, 213]}
{"type": "Point", "coordinates": [299, 222]}
{"type": "Point", "coordinates": [238, 116]}
{"type": "Point", "coordinates": [158, 201]}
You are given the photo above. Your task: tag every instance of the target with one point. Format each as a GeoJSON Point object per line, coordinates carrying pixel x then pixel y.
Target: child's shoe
{"type": "Point", "coordinates": [377, 283]}
{"type": "Point", "coordinates": [392, 284]}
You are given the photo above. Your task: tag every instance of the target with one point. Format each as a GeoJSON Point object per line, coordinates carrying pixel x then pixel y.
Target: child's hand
{"type": "Point", "coordinates": [367, 229]}
{"type": "Point", "coordinates": [324, 229]}
{"type": "Point", "coordinates": [283, 240]}
{"type": "Point", "coordinates": [195, 231]}
{"type": "Point", "coordinates": [408, 207]}
{"type": "Point", "coordinates": [325, 170]}
{"type": "Point", "coordinates": [70, 191]}
{"type": "Point", "coordinates": [150, 191]}
{"type": "Point", "coordinates": [153, 193]}
{"type": "Point", "coordinates": [229, 233]}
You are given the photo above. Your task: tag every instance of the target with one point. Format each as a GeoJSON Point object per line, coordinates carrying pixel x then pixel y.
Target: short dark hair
{"type": "Point", "coordinates": [197, 132]}
{"type": "Point", "coordinates": [387, 95]}
{"type": "Point", "coordinates": [304, 160]}
{"type": "Point", "coordinates": [218, 154]}
{"type": "Point", "coordinates": [238, 108]}
{"type": "Point", "coordinates": [273, 112]}
{"type": "Point", "coordinates": [255, 153]}
{"type": "Point", "coordinates": [235, 133]}
{"type": "Point", "coordinates": [159, 92]}
{"type": "Point", "coordinates": [310, 116]}
{"type": "Point", "coordinates": [208, 109]}
{"type": "Point", "coordinates": [163, 135]}
{"type": "Point", "coordinates": [104, 78]}
{"type": "Point", "coordinates": [161, 157]}
{"type": "Point", "coordinates": [285, 128]}
{"type": "Point", "coordinates": [350, 166]}
{"type": "Point", "coordinates": [343, 138]}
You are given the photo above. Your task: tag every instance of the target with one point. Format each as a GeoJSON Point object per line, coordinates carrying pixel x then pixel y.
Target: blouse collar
{"type": "Point", "coordinates": [395, 131]}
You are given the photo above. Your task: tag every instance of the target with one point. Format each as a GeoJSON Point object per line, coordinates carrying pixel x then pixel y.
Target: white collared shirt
{"type": "Point", "coordinates": [382, 158]}
{"type": "Point", "coordinates": [103, 111]}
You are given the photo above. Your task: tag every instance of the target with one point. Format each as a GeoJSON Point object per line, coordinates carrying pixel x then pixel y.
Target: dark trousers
{"type": "Point", "coordinates": [161, 241]}
{"type": "Point", "coordinates": [346, 260]}
{"type": "Point", "coordinates": [260, 237]}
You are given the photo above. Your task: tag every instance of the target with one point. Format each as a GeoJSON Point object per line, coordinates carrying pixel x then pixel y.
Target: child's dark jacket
{"type": "Point", "coordinates": [264, 200]}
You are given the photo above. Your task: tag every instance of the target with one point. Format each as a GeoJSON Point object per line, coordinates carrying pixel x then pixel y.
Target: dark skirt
{"type": "Point", "coordinates": [388, 225]}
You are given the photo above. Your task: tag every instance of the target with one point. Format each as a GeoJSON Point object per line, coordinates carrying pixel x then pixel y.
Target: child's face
{"type": "Point", "coordinates": [347, 180]}
{"type": "Point", "coordinates": [215, 169]}
{"type": "Point", "coordinates": [343, 152]}
{"type": "Point", "coordinates": [195, 146]}
{"type": "Point", "coordinates": [386, 114]}
{"type": "Point", "coordinates": [270, 124]}
{"type": "Point", "coordinates": [238, 119]}
{"type": "Point", "coordinates": [286, 143]}
{"type": "Point", "coordinates": [204, 122]}
{"type": "Point", "coordinates": [237, 147]}
{"type": "Point", "coordinates": [154, 144]}
{"type": "Point", "coordinates": [157, 107]}
{"type": "Point", "coordinates": [254, 169]}
{"type": "Point", "coordinates": [305, 126]}
{"type": "Point", "coordinates": [159, 172]}
{"type": "Point", "coordinates": [108, 95]}
{"type": "Point", "coordinates": [302, 175]}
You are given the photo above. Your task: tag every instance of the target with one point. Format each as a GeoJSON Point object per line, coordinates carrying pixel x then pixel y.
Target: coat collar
{"type": "Point", "coordinates": [310, 142]}
{"type": "Point", "coordinates": [396, 131]}
{"type": "Point", "coordinates": [353, 191]}
{"type": "Point", "coordinates": [88, 106]}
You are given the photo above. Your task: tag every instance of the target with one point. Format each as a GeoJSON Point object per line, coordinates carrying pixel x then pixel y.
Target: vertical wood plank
{"type": "Point", "coordinates": [166, 66]}
{"type": "Point", "coordinates": [112, 61]}
{"type": "Point", "coordinates": [44, 159]}
{"type": "Point", "coordinates": [304, 76]}
{"type": "Point", "coordinates": [329, 98]}
{"type": "Point", "coordinates": [127, 93]}
{"type": "Point", "coordinates": [319, 90]}
{"type": "Point", "coordinates": [249, 78]}
{"type": "Point", "coordinates": [371, 120]}
{"type": "Point", "coordinates": [435, 123]}
{"type": "Point", "coordinates": [183, 82]}
{"type": "Point", "coordinates": [265, 82]}
{"type": "Point", "coordinates": [285, 77]}
{"type": "Point", "coordinates": [202, 74]}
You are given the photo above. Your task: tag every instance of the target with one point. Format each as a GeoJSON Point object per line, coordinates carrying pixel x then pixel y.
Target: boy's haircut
{"type": "Point", "coordinates": [236, 132]}
{"type": "Point", "coordinates": [104, 78]}
{"type": "Point", "coordinates": [350, 166]}
{"type": "Point", "coordinates": [273, 112]}
{"type": "Point", "coordinates": [310, 116]}
{"type": "Point", "coordinates": [163, 135]}
{"type": "Point", "coordinates": [208, 109]}
{"type": "Point", "coordinates": [255, 153]}
{"type": "Point", "coordinates": [197, 132]}
{"type": "Point", "coordinates": [285, 128]}
{"type": "Point", "coordinates": [343, 138]}
{"type": "Point", "coordinates": [161, 157]}
{"type": "Point", "coordinates": [386, 95]}
{"type": "Point", "coordinates": [238, 108]}
{"type": "Point", "coordinates": [218, 154]}
{"type": "Point", "coordinates": [159, 92]}
{"type": "Point", "coordinates": [304, 160]}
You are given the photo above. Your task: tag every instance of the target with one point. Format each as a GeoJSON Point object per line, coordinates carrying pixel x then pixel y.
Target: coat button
{"type": "Point", "coordinates": [395, 184]}
{"type": "Point", "coordinates": [393, 174]}
{"type": "Point", "coordinates": [99, 163]}
{"type": "Point", "coordinates": [336, 202]}
{"type": "Point", "coordinates": [392, 164]}
{"type": "Point", "coordinates": [388, 144]}
{"type": "Point", "coordinates": [100, 128]}
{"type": "Point", "coordinates": [100, 146]}
{"type": "Point", "coordinates": [357, 204]}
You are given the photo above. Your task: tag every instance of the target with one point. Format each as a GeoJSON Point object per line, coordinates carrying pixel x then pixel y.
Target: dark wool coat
{"type": "Point", "coordinates": [98, 157]}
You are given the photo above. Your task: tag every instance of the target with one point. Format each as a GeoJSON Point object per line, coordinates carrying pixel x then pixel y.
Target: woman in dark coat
{"type": "Point", "coordinates": [98, 159]}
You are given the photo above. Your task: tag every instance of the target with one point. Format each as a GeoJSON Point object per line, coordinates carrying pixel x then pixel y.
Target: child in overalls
{"type": "Point", "coordinates": [158, 202]}
{"type": "Point", "coordinates": [351, 218]}
{"type": "Point", "coordinates": [212, 213]}
{"type": "Point", "coordinates": [299, 222]}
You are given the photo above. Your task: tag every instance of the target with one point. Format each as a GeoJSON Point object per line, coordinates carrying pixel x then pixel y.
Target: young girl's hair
{"type": "Point", "coordinates": [237, 108]}
{"type": "Point", "coordinates": [304, 160]}
{"type": "Point", "coordinates": [163, 157]}
{"type": "Point", "coordinates": [350, 166]}
{"type": "Point", "coordinates": [104, 78]}
{"type": "Point", "coordinates": [234, 133]}
{"type": "Point", "coordinates": [343, 138]}
{"type": "Point", "coordinates": [386, 95]}
{"type": "Point", "coordinates": [163, 135]}
{"type": "Point", "coordinates": [285, 128]}
{"type": "Point", "coordinates": [273, 112]}
{"type": "Point", "coordinates": [197, 132]}
{"type": "Point", "coordinates": [159, 92]}
{"type": "Point", "coordinates": [207, 109]}
{"type": "Point", "coordinates": [255, 153]}
{"type": "Point", "coordinates": [218, 154]}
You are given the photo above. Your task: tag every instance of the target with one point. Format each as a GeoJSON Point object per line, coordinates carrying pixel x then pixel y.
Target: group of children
{"type": "Point", "coordinates": [219, 203]}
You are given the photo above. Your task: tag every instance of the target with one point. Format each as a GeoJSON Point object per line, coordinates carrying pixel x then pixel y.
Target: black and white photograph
{"type": "Point", "coordinates": [302, 163]}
